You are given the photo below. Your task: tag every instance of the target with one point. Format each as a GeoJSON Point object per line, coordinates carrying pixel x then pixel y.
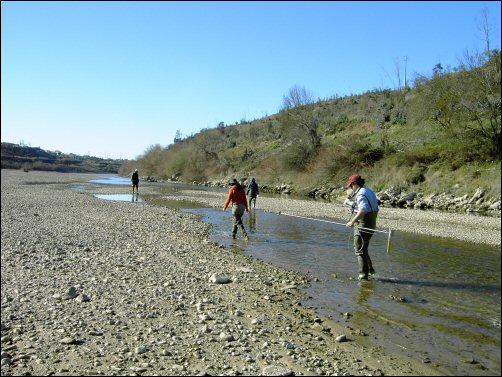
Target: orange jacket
{"type": "Point", "coordinates": [236, 197]}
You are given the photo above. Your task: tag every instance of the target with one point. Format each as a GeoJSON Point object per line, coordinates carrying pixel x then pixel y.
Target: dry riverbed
{"type": "Point", "coordinates": [116, 288]}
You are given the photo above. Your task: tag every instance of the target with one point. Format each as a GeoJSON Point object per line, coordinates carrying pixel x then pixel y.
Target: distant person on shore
{"type": "Point", "coordinates": [365, 207]}
{"type": "Point", "coordinates": [135, 181]}
{"type": "Point", "coordinates": [237, 198]}
{"type": "Point", "coordinates": [253, 192]}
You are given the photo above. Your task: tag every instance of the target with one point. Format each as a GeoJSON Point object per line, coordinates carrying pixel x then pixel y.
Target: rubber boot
{"type": "Point", "coordinates": [363, 267]}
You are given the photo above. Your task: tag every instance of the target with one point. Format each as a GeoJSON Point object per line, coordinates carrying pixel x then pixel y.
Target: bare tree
{"type": "Point", "coordinates": [297, 96]}
{"type": "Point", "coordinates": [388, 76]}
{"type": "Point", "coordinates": [405, 71]}
{"type": "Point", "coordinates": [484, 27]}
{"type": "Point", "coordinates": [397, 70]}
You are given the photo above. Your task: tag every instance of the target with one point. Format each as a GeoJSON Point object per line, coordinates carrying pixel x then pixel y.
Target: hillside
{"type": "Point", "coordinates": [440, 136]}
{"type": "Point", "coordinates": [16, 156]}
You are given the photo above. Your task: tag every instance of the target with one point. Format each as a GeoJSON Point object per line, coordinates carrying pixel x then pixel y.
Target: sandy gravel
{"type": "Point", "coordinates": [97, 287]}
{"type": "Point", "coordinates": [478, 229]}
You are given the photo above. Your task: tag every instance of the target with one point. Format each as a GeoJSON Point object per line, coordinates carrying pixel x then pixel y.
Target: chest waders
{"type": "Point", "coordinates": [362, 241]}
{"type": "Point", "coordinates": [238, 212]}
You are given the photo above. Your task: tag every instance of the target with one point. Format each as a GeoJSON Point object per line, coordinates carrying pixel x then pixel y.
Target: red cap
{"type": "Point", "coordinates": [353, 178]}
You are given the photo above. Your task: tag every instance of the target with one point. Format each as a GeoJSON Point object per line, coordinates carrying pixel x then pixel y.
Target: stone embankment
{"type": "Point", "coordinates": [114, 288]}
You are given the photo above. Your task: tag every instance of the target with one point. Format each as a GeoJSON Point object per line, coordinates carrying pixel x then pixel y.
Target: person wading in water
{"type": "Point", "coordinates": [237, 197]}
{"type": "Point", "coordinates": [135, 181]}
{"type": "Point", "coordinates": [253, 192]}
{"type": "Point", "coordinates": [366, 210]}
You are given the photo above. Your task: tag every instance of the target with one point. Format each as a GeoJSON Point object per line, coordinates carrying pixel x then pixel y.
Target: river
{"type": "Point", "coordinates": [432, 298]}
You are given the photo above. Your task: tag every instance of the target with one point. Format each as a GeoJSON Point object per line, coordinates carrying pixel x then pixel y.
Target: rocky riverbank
{"type": "Point", "coordinates": [475, 203]}
{"type": "Point", "coordinates": [116, 288]}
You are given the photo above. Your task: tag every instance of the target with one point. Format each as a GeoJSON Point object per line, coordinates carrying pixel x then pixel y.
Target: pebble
{"type": "Point", "coordinates": [276, 370]}
{"type": "Point", "coordinates": [341, 338]}
{"type": "Point", "coordinates": [220, 279]}
{"type": "Point", "coordinates": [140, 350]}
{"type": "Point", "coordinates": [68, 340]}
{"type": "Point", "coordinates": [71, 294]}
{"type": "Point", "coordinates": [143, 276]}
{"type": "Point", "coordinates": [83, 298]}
{"type": "Point", "coordinates": [226, 337]}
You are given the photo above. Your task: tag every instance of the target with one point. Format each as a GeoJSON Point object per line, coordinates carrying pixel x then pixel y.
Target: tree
{"type": "Point", "coordinates": [466, 104]}
{"type": "Point", "coordinates": [484, 27]}
{"type": "Point", "coordinates": [397, 70]}
{"type": "Point", "coordinates": [297, 96]}
{"type": "Point", "coordinates": [221, 127]}
{"type": "Point", "coordinates": [300, 127]}
{"type": "Point", "coordinates": [178, 137]}
{"type": "Point", "coordinates": [437, 70]}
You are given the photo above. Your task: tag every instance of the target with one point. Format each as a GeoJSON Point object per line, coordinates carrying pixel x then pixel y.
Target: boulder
{"type": "Point", "coordinates": [477, 195]}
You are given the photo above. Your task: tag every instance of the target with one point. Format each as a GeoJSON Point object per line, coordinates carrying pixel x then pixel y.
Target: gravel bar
{"type": "Point", "coordinates": [114, 288]}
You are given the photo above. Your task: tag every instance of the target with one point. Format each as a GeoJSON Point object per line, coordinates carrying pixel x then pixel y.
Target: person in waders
{"type": "Point", "coordinates": [237, 197]}
{"type": "Point", "coordinates": [135, 181]}
{"type": "Point", "coordinates": [365, 207]}
{"type": "Point", "coordinates": [253, 192]}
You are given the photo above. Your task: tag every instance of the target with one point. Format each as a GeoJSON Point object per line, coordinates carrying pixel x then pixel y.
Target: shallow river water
{"type": "Point", "coordinates": [433, 298]}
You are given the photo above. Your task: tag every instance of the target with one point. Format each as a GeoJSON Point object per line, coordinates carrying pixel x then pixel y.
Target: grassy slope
{"type": "Point", "coordinates": [412, 153]}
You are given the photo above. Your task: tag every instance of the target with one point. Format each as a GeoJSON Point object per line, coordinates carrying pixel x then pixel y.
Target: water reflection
{"type": "Point", "coordinates": [442, 284]}
{"type": "Point", "coordinates": [365, 290]}
{"type": "Point", "coordinates": [120, 197]}
{"type": "Point", "coordinates": [252, 220]}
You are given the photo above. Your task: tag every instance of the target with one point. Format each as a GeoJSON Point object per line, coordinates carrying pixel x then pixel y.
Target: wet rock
{"type": "Point", "coordinates": [397, 298]}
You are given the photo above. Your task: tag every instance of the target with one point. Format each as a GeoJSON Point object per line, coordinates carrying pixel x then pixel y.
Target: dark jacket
{"type": "Point", "coordinates": [135, 178]}
{"type": "Point", "coordinates": [253, 189]}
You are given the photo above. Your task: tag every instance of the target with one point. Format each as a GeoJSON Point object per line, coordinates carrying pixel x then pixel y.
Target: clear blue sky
{"type": "Point", "coordinates": [112, 78]}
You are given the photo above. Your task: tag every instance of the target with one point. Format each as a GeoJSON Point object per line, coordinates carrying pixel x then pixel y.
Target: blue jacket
{"type": "Point", "coordinates": [253, 189]}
